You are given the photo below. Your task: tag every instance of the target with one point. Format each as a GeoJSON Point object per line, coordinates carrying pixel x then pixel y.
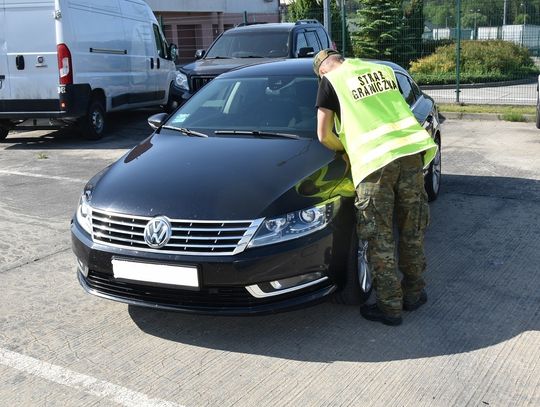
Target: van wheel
{"type": "Point", "coordinates": [93, 124]}
{"type": "Point", "coordinates": [352, 293]}
{"type": "Point", "coordinates": [432, 178]}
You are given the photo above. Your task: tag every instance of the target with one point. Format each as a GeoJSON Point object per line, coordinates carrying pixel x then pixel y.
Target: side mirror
{"type": "Point", "coordinates": [306, 52]}
{"type": "Point", "coordinates": [173, 52]}
{"type": "Point", "coordinates": [200, 53]}
{"type": "Point", "coordinates": [155, 121]}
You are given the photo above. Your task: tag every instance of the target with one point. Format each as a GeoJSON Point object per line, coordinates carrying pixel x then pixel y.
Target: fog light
{"type": "Point", "coordinates": [82, 268]}
{"type": "Point", "coordinates": [286, 285]}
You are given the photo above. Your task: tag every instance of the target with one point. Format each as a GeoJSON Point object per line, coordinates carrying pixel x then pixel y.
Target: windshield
{"type": "Point", "coordinates": [251, 45]}
{"type": "Point", "coordinates": [280, 104]}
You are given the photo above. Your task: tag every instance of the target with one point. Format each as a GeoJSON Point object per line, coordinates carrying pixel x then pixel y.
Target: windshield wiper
{"type": "Point", "coordinates": [187, 132]}
{"type": "Point", "coordinates": [219, 57]}
{"type": "Point", "coordinates": [258, 133]}
{"type": "Point", "coordinates": [251, 56]}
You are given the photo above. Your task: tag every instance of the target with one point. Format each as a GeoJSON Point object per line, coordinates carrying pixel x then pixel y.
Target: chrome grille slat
{"type": "Point", "coordinates": [125, 232]}
{"type": "Point", "coordinates": [189, 236]}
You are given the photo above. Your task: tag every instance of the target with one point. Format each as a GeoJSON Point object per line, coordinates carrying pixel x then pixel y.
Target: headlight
{"type": "Point", "coordinates": [295, 224]}
{"type": "Point", "coordinates": [182, 81]}
{"type": "Point", "coordinates": [84, 214]}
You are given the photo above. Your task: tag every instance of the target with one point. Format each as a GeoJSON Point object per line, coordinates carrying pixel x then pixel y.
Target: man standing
{"type": "Point", "coordinates": [388, 150]}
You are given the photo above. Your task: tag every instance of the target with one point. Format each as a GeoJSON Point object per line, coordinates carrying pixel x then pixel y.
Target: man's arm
{"type": "Point", "coordinates": [325, 132]}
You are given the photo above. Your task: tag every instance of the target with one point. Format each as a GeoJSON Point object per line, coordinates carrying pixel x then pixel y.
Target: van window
{"type": "Point", "coordinates": [160, 43]}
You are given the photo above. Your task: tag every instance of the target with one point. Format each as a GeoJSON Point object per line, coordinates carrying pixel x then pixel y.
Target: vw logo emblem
{"type": "Point", "coordinates": [157, 232]}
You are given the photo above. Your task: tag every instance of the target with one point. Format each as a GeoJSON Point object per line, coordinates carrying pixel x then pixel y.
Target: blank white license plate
{"type": "Point", "coordinates": [186, 276]}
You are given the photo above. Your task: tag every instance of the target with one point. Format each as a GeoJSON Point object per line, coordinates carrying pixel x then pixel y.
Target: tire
{"type": "Point", "coordinates": [3, 133]}
{"type": "Point", "coordinates": [352, 293]}
{"type": "Point", "coordinates": [172, 103]}
{"type": "Point", "coordinates": [432, 178]}
{"type": "Point", "coordinates": [538, 114]}
{"type": "Point", "coordinates": [92, 125]}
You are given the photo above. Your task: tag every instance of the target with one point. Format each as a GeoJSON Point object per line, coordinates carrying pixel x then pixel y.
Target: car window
{"type": "Point", "coordinates": [323, 38]}
{"type": "Point", "coordinates": [405, 88]}
{"type": "Point", "coordinates": [283, 104]}
{"type": "Point", "coordinates": [250, 45]}
{"type": "Point", "coordinates": [313, 41]}
{"type": "Point", "coordinates": [301, 42]}
{"type": "Point", "coordinates": [416, 90]}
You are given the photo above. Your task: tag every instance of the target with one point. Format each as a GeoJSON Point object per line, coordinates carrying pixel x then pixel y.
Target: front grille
{"type": "Point", "coordinates": [205, 297]}
{"type": "Point", "coordinates": [189, 237]}
{"type": "Point", "coordinates": [198, 82]}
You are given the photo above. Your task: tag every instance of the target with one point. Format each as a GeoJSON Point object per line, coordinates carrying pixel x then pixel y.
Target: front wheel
{"type": "Point", "coordinates": [93, 124]}
{"type": "Point", "coordinates": [432, 178]}
{"type": "Point", "coordinates": [538, 113]}
{"type": "Point", "coordinates": [3, 132]}
{"type": "Point", "coordinates": [357, 287]}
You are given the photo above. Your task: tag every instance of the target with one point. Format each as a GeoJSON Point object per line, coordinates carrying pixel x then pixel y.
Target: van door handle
{"type": "Point", "coordinates": [151, 63]}
{"type": "Point", "coordinates": [19, 61]}
{"type": "Point", "coordinates": [157, 59]}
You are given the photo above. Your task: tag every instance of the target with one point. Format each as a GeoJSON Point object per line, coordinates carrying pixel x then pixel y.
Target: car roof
{"type": "Point", "coordinates": [296, 66]}
{"type": "Point", "coordinates": [269, 27]}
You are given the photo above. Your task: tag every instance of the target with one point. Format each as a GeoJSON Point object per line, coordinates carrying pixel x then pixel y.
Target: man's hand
{"type": "Point", "coordinates": [325, 125]}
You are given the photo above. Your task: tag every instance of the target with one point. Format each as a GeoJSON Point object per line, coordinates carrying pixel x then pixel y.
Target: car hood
{"type": "Point", "coordinates": [223, 178]}
{"type": "Point", "coordinates": [214, 67]}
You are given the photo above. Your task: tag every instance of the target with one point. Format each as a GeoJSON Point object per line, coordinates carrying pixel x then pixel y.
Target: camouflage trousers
{"type": "Point", "coordinates": [396, 190]}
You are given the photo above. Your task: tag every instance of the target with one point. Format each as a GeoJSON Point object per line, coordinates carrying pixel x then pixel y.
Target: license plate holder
{"type": "Point", "coordinates": [156, 273]}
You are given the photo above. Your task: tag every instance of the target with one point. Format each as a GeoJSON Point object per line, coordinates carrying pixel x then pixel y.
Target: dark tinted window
{"type": "Point", "coordinates": [312, 41]}
{"type": "Point", "coordinates": [284, 104]}
{"type": "Point", "coordinates": [301, 42]}
{"type": "Point", "coordinates": [250, 45]}
{"type": "Point", "coordinates": [323, 38]}
{"type": "Point", "coordinates": [405, 88]}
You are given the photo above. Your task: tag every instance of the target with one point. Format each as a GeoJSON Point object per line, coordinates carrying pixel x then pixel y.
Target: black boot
{"type": "Point", "coordinates": [373, 313]}
{"type": "Point", "coordinates": [411, 306]}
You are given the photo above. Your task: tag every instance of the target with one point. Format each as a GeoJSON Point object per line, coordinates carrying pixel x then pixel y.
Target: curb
{"type": "Point", "coordinates": [482, 116]}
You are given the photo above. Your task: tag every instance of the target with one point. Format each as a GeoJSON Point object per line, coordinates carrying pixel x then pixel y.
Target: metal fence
{"type": "Point", "coordinates": [467, 51]}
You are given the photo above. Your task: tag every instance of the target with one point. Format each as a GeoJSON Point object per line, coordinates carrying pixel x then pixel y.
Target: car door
{"type": "Point", "coordinates": [4, 73]}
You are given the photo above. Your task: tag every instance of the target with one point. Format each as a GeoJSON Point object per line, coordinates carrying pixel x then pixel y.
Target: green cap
{"type": "Point", "coordinates": [321, 57]}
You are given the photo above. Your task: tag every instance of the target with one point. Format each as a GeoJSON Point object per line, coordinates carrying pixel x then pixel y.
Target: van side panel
{"type": "Point", "coordinates": [30, 42]}
{"type": "Point", "coordinates": [139, 35]}
{"type": "Point", "coordinates": [98, 45]}
{"type": "Point", "coordinates": [4, 70]}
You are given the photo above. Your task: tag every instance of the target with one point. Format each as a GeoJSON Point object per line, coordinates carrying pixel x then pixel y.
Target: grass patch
{"type": "Point", "coordinates": [513, 117]}
{"type": "Point", "coordinates": [500, 109]}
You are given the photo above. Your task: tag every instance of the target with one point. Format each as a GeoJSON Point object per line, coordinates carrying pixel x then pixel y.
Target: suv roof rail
{"type": "Point", "coordinates": [243, 24]}
{"type": "Point", "coordinates": [307, 21]}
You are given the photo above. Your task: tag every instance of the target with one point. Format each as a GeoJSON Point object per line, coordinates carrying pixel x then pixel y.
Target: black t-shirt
{"type": "Point", "coordinates": [327, 97]}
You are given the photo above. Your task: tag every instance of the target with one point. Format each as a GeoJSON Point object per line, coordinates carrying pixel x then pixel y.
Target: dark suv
{"type": "Point", "coordinates": [250, 44]}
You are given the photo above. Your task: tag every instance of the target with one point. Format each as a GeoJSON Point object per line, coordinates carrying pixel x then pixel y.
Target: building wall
{"type": "Point", "coordinates": [194, 24]}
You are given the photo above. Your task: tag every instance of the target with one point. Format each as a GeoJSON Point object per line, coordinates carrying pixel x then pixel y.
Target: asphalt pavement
{"type": "Point", "coordinates": [475, 343]}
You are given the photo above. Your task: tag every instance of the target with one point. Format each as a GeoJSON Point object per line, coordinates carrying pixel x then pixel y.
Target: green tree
{"type": "Point", "coordinates": [380, 29]}
{"type": "Point", "coordinates": [410, 45]}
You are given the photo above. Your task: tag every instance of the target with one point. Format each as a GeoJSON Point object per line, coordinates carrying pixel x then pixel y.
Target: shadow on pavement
{"type": "Point", "coordinates": [483, 285]}
{"type": "Point", "coordinates": [124, 129]}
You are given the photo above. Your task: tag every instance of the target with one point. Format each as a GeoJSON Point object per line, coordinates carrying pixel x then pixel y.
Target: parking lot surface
{"type": "Point", "coordinates": [475, 343]}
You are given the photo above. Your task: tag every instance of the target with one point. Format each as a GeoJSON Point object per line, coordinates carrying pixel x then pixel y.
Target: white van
{"type": "Point", "coordinates": [71, 61]}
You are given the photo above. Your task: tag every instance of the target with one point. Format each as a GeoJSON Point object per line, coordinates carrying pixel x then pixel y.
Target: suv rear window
{"type": "Point", "coordinates": [251, 45]}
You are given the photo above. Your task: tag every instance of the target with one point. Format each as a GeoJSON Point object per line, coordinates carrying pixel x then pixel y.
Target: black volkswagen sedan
{"type": "Point", "coordinates": [231, 206]}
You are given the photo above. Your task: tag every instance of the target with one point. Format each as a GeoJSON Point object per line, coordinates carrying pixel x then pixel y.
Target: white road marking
{"type": "Point", "coordinates": [55, 177]}
{"type": "Point", "coordinates": [88, 384]}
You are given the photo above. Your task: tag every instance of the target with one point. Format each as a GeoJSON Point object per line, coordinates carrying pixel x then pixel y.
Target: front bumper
{"type": "Point", "coordinates": [222, 280]}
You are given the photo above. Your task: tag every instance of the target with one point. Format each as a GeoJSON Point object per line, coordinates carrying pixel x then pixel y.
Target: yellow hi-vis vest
{"type": "Point", "coordinates": [377, 126]}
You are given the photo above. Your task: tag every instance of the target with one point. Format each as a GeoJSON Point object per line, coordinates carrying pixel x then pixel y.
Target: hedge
{"type": "Point", "coordinates": [481, 61]}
